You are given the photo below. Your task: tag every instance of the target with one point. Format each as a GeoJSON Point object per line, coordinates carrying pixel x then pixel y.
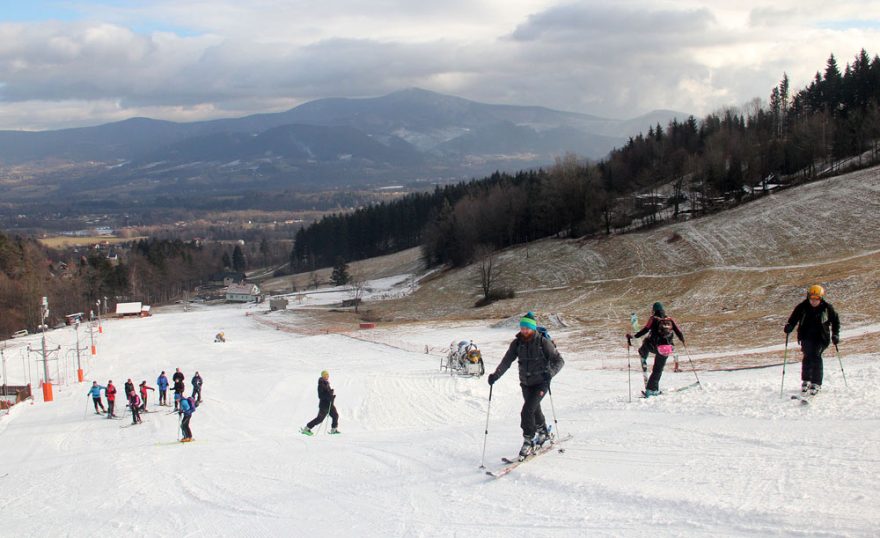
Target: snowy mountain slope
{"type": "Point", "coordinates": [734, 460]}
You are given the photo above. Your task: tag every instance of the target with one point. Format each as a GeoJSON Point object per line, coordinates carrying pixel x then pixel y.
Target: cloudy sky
{"type": "Point", "coordinates": [70, 63]}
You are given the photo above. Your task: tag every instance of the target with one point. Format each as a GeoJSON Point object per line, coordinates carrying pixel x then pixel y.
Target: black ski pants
{"type": "Point", "coordinates": [163, 397]}
{"type": "Point", "coordinates": [812, 365]}
{"type": "Point", "coordinates": [531, 417]}
{"type": "Point", "coordinates": [97, 402]}
{"type": "Point", "coordinates": [196, 394]}
{"type": "Point", "coordinates": [110, 404]}
{"type": "Point", "coordinates": [646, 349]}
{"type": "Point", "coordinates": [184, 427]}
{"type": "Point", "coordinates": [135, 414]}
{"type": "Point", "coordinates": [323, 409]}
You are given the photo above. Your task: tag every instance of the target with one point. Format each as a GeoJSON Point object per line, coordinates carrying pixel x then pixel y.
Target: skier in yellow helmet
{"type": "Point", "coordinates": [818, 326]}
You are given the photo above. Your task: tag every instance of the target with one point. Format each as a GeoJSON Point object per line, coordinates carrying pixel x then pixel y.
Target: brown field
{"type": "Point", "coordinates": [730, 279]}
{"type": "Point", "coordinates": [63, 241]}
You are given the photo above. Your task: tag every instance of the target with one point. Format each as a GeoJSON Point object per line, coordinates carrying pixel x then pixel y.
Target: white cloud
{"type": "Point", "coordinates": [185, 60]}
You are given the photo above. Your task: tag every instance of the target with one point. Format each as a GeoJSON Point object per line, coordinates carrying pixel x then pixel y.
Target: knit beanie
{"type": "Point", "coordinates": [528, 321]}
{"type": "Point", "coordinates": [658, 307]}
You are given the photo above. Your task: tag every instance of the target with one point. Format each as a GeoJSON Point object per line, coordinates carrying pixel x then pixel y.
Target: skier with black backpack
{"type": "Point", "coordinates": [187, 408]}
{"type": "Point", "coordinates": [538, 361]}
{"type": "Point", "coordinates": [663, 330]}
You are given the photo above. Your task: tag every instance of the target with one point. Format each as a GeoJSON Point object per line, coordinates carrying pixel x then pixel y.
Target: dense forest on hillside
{"type": "Point", "coordinates": [687, 167]}
{"type": "Point", "coordinates": [153, 271]}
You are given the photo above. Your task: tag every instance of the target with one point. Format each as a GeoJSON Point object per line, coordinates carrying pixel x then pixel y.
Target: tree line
{"type": "Point", "coordinates": [153, 271]}
{"type": "Point", "coordinates": [690, 167]}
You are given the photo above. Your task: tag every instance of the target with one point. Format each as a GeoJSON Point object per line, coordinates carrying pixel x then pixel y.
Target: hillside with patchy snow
{"type": "Point", "coordinates": [731, 278]}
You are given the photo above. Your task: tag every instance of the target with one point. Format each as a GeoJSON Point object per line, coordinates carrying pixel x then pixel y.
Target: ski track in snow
{"type": "Point", "coordinates": [734, 459]}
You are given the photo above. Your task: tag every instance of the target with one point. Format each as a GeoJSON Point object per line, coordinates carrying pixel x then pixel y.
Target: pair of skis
{"type": "Point", "coordinates": [679, 389]}
{"type": "Point", "coordinates": [511, 464]}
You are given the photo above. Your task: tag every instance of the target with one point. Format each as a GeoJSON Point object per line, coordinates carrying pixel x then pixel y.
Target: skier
{"type": "Point", "coordinates": [162, 383]}
{"type": "Point", "coordinates": [95, 391]}
{"type": "Point", "coordinates": [326, 399]}
{"type": "Point", "coordinates": [134, 403]}
{"type": "Point", "coordinates": [220, 337]}
{"type": "Point", "coordinates": [144, 388]}
{"type": "Point", "coordinates": [129, 388]}
{"type": "Point", "coordinates": [663, 331]}
{"type": "Point", "coordinates": [187, 408]}
{"type": "Point", "coordinates": [539, 361]}
{"type": "Point", "coordinates": [110, 392]}
{"type": "Point", "coordinates": [818, 326]}
{"type": "Point", "coordinates": [197, 387]}
{"type": "Point", "coordinates": [179, 387]}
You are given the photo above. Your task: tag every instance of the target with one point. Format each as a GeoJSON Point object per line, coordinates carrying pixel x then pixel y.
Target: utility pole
{"type": "Point", "coordinates": [47, 383]}
{"type": "Point", "coordinates": [92, 338]}
{"type": "Point", "coordinates": [3, 359]}
{"type": "Point", "coordinates": [79, 370]}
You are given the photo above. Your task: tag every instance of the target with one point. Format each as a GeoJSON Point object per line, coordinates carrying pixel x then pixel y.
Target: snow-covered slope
{"type": "Point", "coordinates": [736, 459]}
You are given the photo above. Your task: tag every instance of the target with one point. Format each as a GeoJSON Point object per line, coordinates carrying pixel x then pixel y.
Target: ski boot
{"type": "Point", "coordinates": [815, 388]}
{"type": "Point", "coordinates": [805, 386]}
{"type": "Point", "coordinates": [334, 431]}
{"type": "Point", "coordinates": [542, 436]}
{"type": "Point", "coordinates": [528, 448]}
{"type": "Point", "coordinates": [306, 431]}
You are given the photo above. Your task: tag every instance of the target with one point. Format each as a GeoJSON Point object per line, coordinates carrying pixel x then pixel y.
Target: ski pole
{"type": "Point", "coordinates": [784, 362]}
{"type": "Point", "coordinates": [324, 420]}
{"type": "Point", "coordinates": [840, 362]}
{"type": "Point", "coordinates": [694, 368]}
{"type": "Point", "coordinates": [486, 433]}
{"type": "Point", "coordinates": [553, 409]}
{"type": "Point", "coordinates": [179, 425]}
{"type": "Point", "coordinates": [629, 382]}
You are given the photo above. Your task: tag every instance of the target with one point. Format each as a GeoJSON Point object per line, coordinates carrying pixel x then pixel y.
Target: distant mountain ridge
{"type": "Point", "coordinates": [406, 135]}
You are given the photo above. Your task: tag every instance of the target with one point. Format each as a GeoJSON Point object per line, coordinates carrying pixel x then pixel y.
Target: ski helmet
{"type": "Point", "coordinates": [816, 291]}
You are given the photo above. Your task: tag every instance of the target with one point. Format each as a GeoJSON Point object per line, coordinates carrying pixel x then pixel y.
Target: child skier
{"type": "Point", "coordinates": [134, 403]}
{"type": "Point", "coordinates": [326, 399]}
{"type": "Point", "coordinates": [95, 391]}
{"type": "Point", "coordinates": [187, 408]}
{"type": "Point", "coordinates": [144, 388]}
{"type": "Point", "coordinates": [818, 326]}
{"type": "Point", "coordinates": [663, 330]}
{"type": "Point", "coordinates": [162, 383]}
{"type": "Point", "coordinates": [197, 387]}
{"type": "Point", "coordinates": [110, 392]}
{"type": "Point", "coordinates": [179, 387]}
{"type": "Point", "coordinates": [538, 361]}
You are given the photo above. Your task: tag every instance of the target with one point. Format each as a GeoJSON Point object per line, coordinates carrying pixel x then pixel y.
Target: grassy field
{"type": "Point", "coordinates": [62, 241]}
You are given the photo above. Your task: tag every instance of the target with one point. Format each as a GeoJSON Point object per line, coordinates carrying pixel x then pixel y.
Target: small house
{"type": "Point", "coordinates": [243, 293]}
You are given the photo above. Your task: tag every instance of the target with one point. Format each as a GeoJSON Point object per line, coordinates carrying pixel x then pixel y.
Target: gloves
{"type": "Point", "coordinates": [629, 336]}
{"type": "Point", "coordinates": [788, 328]}
{"type": "Point", "coordinates": [835, 339]}
{"type": "Point", "coordinates": [492, 379]}
{"type": "Point", "coordinates": [547, 377]}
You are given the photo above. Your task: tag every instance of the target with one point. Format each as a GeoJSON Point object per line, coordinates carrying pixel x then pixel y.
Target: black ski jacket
{"type": "Point", "coordinates": [814, 324]}
{"type": "Point", "coordinates": [325, 393]}
{"type": "Point", "coordinates": [536, 355]}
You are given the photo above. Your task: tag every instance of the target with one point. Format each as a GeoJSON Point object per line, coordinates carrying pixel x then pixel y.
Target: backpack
{"type": "Point", "coordinates": [192, 404]}
{"type": "Point", "coordinates": [666, 328]}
